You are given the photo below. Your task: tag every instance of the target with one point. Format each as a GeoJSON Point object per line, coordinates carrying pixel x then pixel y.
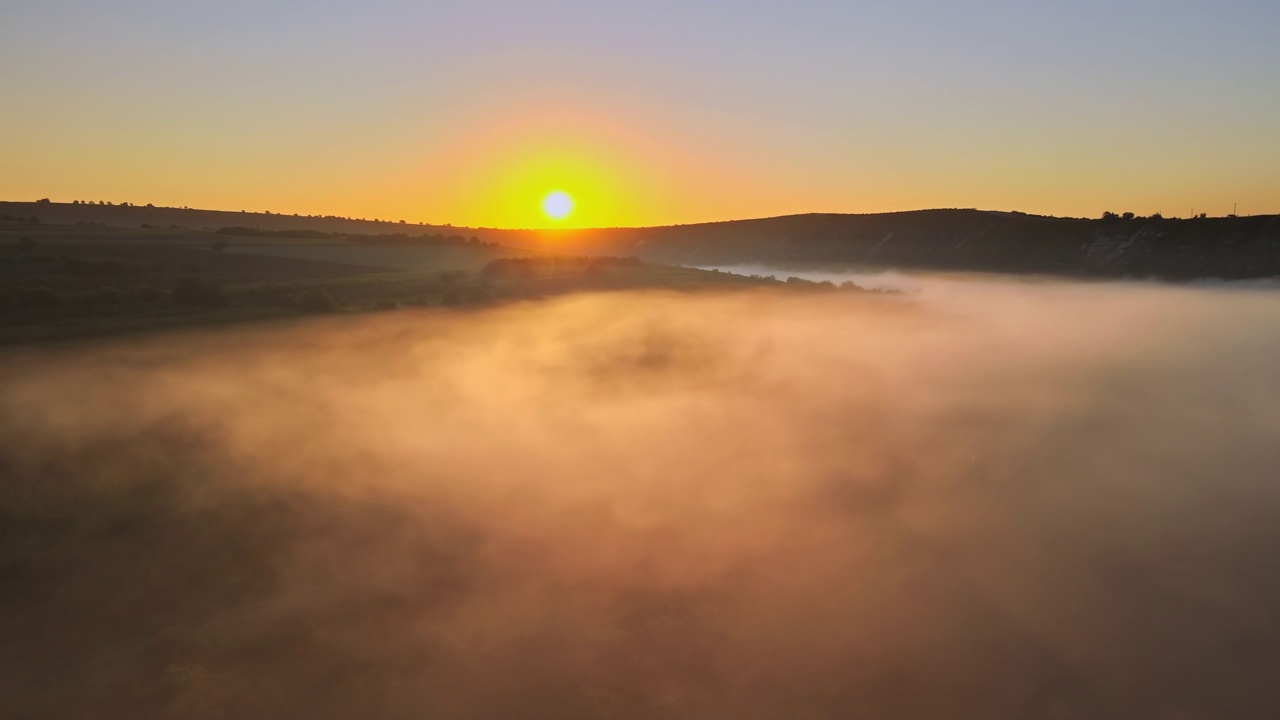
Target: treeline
{"type": "Point", "coordinates": [804, 284]}
{"type": "Point", "coordinates": [257, 232]}
{"type": "Point", "coordinates": [526, 267]}
{"type": "Point", "coordinates": [1113, 217]}
{"type": "Point", "coordinates": [186, 291]}
{"type": "Point", "coordinates": [428, 239]}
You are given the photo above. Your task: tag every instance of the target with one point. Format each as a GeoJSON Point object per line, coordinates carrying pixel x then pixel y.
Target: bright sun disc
{"type": "Point", "coordinates": [557, 205]}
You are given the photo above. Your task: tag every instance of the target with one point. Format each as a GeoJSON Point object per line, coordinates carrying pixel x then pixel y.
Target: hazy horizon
{"type": "Point", "coordinates": [543, 229]}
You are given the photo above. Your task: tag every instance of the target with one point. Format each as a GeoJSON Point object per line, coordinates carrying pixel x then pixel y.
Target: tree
{"type": "Point", "coordinates": [317, 301]}
{"type": "Point", "coordinates": [195, 291]}
{"type": "Point", "coordinates": [1108, 216]}
{"type": "Point", "coordinates": [1127, 216]}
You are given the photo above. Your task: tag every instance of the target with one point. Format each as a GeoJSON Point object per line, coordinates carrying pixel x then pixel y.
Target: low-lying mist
{"type": "Point", "coordinates": [1045, 501]}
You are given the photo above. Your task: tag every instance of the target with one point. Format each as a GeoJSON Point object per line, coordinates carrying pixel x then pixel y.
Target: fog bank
{"type": "Point", "coordinates": [1038, 500]}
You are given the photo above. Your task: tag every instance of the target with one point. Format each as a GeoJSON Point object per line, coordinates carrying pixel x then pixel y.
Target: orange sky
{"type": "Point", "coordinates": [648, 114]}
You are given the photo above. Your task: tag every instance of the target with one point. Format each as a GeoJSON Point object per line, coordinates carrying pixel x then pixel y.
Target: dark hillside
{"type": "Point", "coordinates": [136, 215]}
{"type": "Point", "coordinates": [964, 240]}
{"type": "Point", "coordinates": [967, 240]}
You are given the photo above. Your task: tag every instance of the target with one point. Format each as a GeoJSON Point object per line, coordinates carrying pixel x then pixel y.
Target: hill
{"type": "Point", "coordinates": [964, 240]}
{"type": "Point", "coordinates": [87, 279]}
{"type": "Point", "coordinates": [956, 240]}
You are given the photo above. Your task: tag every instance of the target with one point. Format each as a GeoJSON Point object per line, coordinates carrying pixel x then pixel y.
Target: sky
{"type": "Point", "coordinates": [470, 112]}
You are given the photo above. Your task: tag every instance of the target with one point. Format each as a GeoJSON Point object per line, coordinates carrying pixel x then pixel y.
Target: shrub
{"type": "Point", "coordinates": [316, 301]}
{"type": "Point", "coordinates": [197, 291]}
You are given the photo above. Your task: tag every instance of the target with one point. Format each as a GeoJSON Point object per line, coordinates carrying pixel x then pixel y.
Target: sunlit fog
{"type": "Point", "coordinates": [1037, 500]}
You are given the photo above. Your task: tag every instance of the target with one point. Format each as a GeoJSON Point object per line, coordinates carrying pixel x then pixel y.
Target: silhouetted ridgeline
{"type": "Point", "coordinates": [973, 240]}
{"type": "Point", "coordinates": [123, 215]}
{"type": "Point", "coordinates": [970, 240]}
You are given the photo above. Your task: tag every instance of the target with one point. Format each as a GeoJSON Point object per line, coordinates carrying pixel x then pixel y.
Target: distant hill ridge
{"type": "Point", "coordinates": [962, 240]}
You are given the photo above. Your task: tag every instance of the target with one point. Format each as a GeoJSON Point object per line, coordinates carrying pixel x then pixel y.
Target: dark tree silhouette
{"type": "Point", "coordinates": [195, 291]}
{"type": "Point", "coordinates": [317, 301]}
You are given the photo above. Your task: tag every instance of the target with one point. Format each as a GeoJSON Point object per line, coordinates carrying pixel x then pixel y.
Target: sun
{"type": "Point", "coordinates": [557, 205]}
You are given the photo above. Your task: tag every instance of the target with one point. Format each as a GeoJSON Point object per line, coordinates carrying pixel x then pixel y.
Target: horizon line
{"type": "Point", "coordinates": [405, 223]}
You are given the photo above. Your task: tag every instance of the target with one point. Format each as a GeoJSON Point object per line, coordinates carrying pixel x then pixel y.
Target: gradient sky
{"type": "Point", "coordinates": [650, 112]}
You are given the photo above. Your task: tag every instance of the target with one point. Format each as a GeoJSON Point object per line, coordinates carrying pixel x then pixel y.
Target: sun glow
{"type": "Point", "coordinates": [557, 205]}
{"type": "Point", "coordinates": [552, 171]}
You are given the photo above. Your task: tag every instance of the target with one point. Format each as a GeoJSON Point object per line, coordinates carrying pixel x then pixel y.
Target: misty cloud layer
{"type": "Point", "coordinates": [1040, 500]}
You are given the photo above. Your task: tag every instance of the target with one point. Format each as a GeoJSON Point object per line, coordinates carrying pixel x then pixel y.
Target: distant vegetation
{"type": "Point", "coordinates": [192, 290]}
{"type": "Point", "coordinates": [1115, 245]}
{"type": "Point", "coordinates": [317, 300]}
{"type": "Point", "coordinates": [72, 280]}
{"type": "Point", "coordinates": [531, 266]}
{"type": "Point", "coordinates": [380, 238]}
